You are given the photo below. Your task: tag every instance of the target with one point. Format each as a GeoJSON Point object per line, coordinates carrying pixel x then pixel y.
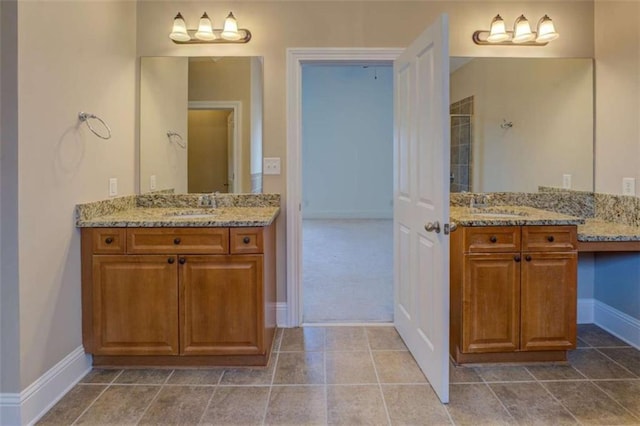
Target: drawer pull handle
{"type": "Point", "coordinates": [182, 260]}
{"type": "Point", "coordinates": [516, 258]}
{"type": "Point", "coordinates": [493, 239]}
{"type": "Point", "coordinates": [176, 241]}
{"type": "Point", "coordinates": [527, 258]}
{"type": "Point", "coordinates": [246, 240]}
{"type": "Point", "coordinates": [171, 261]}
{"type": "Point", "coordinates": [108, 240]}
{"type": "Point", "coordinates": [550, 238]}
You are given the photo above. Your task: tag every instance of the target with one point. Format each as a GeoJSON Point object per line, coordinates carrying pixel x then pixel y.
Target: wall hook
{"type": "Point", "coordinates": [506, 124]}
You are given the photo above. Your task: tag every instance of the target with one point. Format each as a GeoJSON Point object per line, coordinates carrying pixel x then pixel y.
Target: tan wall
{"type": "Point", "coordinates": [163, 108]}
{"type": "Point", "coordinates": [549, 102]}
{"type": "Point", "coordinates": [228, 79]}
{"type": "Point", "coordinates": [617, 53]}
{"type": "Point", "coordinates": [208, 150]}
{"type": "Point", "coordinates": [277, 26]}
{"type": "Point", "coordinates": [72, 56]}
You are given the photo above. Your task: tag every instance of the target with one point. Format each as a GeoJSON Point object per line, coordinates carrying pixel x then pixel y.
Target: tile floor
{"type": "Point", "coordinates": [364, 375]}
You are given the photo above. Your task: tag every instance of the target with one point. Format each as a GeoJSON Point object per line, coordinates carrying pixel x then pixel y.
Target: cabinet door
{"type": "Point", "coordinates": [221, 305]}
{"type": "Point", "coordinates": [135, 305]}
{"type": "Point", "coordinates": [491, 303]}
{"type": "Point", "coordinates": [548, 301]}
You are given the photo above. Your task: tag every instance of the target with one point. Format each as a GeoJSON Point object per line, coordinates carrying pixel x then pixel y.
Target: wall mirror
{"type": "Point", "coordinates": [201, 124]}
{"type": "Point", "coordinates": [520, 123]}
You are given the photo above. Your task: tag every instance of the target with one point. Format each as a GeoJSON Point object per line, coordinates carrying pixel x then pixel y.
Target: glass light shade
{"type": "Point", "coordinates": [546, 30]}
{"type": "Point", "coordinates": [498, 31]}
{"type": "Point", "coordinates": [522, 30]}
{"type": "Point", "coordinates": [230, 30]}
{"type": "Point", "coordinates": [179, 31]}
{"type": "Point", "coordinates": [205, 31]}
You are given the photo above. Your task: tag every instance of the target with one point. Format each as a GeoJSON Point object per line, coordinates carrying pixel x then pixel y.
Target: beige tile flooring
{"type": "Point", "coordinates": [364, 375]}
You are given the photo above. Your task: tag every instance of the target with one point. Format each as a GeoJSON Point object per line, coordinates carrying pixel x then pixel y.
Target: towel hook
{"type": "Point", "coordinates": [506, 124]}
{"type": "Point", "coordinates": [175, 137]}
{"type": "Point", "coordinates": [85, 116]}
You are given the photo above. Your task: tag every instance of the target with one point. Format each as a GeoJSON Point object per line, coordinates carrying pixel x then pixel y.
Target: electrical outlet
{"type": "Point", "coordinates": [271, 166]}
{"type": "Point", "coordinates": [152, 182]}
{"type": "Point", "coordinates": [566, 181]}
{"type": "Point", "coordinates": [628, 186]}
{"type": "Point", "coordinates": [113, 187]}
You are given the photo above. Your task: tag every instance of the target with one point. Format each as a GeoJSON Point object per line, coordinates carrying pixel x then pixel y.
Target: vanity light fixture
{"type": "Point", "coordinates": [520, 36]}
{"type": "Point", "coordinates": [205, 33]}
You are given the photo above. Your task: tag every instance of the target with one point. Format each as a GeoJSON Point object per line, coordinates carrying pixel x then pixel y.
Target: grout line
{"type": "Point", "coordinates": [154, 397]}
{"type": "Point", "coordinates": [497, 397]}
{"type": "Point", "coordinates": [273, 375]}
{"type": "Point", "coordinates": [560, 402]}
{"type": "Point", "coordinates": [215, 390]}
{"type": "Point", "coordinates": [616, 362]}
{"type": "Point", "coordinates": [615, 400]}
{"type": "Point", "coordinates": [375, 369]}
{"type": "Point", "coordinates": [91, 404]}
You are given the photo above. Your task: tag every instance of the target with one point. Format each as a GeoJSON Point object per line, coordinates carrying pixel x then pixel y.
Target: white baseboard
{"type": "Point", "coordinates": [340, 214]}
{"type": "Point", "coordinates": [585, 311]}
{"type": "Point", "coordinates": [282, 315]}
{"type": "Point", "coordinates": [617, 323]}
{"type": "Point", "coordinates": [26, 407]}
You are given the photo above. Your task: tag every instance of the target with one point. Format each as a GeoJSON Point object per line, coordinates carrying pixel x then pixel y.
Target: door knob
{"type": "Point", "coordinates": [433, 227]}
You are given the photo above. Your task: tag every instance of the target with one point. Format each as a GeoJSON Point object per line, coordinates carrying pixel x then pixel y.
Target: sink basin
{"type": "Point", "coordinates": [193, 214]}
{"type": "Point", "coordinates": [503, 213]}
{"type": "Point", "coordinates": [499, 215]}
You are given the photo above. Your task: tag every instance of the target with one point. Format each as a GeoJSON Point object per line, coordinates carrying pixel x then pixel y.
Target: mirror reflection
{"type": "Point", "coordinates": [520, 123]}
{"type": "Point", "coordinates": [201, 124]}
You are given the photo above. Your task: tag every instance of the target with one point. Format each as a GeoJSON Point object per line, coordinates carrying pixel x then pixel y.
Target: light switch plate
{"type": "Point", "coordinates": [271, 166]}
{"type": "Point", "coordinates": [628, 186]}
{"type": "Point", "coordinates": [113, 187]}
{"type": "Point", "coordinates": [566, 181]}
{"type": "Point", "coordinates": [152, 182]}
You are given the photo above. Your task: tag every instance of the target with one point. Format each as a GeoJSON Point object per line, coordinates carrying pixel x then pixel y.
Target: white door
{"type": "Point", "coordinates": [231, 166]}
{"type": "Point", "coordinates": [421, 200]}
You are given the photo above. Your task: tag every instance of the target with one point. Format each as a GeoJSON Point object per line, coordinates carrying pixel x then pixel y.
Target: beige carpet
{"type": "Point", "coordinates": [347, 270]}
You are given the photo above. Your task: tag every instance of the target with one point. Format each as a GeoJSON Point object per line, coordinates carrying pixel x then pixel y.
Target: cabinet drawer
{"type": "Point", "coordinates": [246, 240]}
{"type": "Point", "coordinates": [108, 240]}
{"type": "Point", "coordinates": [178, 240]}
{"type": "Point", "coordinates": [549, 238]}
{"type": "Point", "coordinates": [491, 239]}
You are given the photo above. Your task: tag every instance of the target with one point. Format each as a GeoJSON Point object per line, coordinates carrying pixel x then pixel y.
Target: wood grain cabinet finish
{"type": "Point", "coordinates": [515, 301]}
{"type": "Point", "coordinates": [164, 302]}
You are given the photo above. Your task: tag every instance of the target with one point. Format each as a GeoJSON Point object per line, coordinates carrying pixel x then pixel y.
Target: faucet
{"type": "Point", "coordinates": [481, 202]}
{"type": "Point", "coordinates": [208, 200]}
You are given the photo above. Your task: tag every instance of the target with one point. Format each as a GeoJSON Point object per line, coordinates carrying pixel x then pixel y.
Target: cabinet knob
{"type": "Point", "coordinates": [493, 239]}
{"type": "Point", "coordinates": [246, 240]}
{"type": "Point", "coordinates": [550, 238]}
{"type": "Point", "coordinates": [516, 258]}
{"type": "Point", "coordinates": [176, 241]}
{"type": "Point", "coordinates": [182, 260]}
{"type": "Point", "coordinates": [108, 240]}
{"type": "Point", "coordinates": [171, 261]}
{"type": "Point", "coordinates": [527, 258]}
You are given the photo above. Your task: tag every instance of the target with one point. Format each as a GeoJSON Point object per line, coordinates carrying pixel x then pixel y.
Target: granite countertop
{"type": "Point", "coordinates": [183, 217]}
{"type": "Point", "coordinates": [600, 230]}
{"type": "Point", "coordinates": [509, 216]}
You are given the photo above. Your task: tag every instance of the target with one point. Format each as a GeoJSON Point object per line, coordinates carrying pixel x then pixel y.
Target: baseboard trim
{"type": "Point", "coordinates": [339, 214]}
{"type": "Point", "coordinates": [282, 314]}
{"type": "Point", "coordinates": [617, 323]}
{"type": "Point", "coordinates": [585, 311]}
{"type": "Point", "coordinates": [26, 407]}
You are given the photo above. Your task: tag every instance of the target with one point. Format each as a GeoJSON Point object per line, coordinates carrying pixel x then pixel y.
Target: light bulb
{"type": "Point", "coordinates": [546, 30]}
{"type": "Point", "coordinates": [179, 31]}
{"type": "Point", "coordinates": [205, 32]}
{"type": "Point", "coordinates": [498, 31]}
{"type": "Point", "coordinates": [230, 30]}
{"type": "Point", "coordinates": [522, 30]}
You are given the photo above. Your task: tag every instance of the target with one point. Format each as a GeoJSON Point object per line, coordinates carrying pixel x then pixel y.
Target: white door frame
{"type": "Point", "coordinates": [295, 58]}
{"type": "Point", "coordinates": [236, 106]}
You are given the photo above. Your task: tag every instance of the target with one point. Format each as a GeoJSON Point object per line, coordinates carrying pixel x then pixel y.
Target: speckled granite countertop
{"type": "Point", "coordinates": [168, 210]}
{"type": "Point", "coordinates": [509, 216]}
{"type": "Point", "coordinates": [184, 217]}
{"type": "Point", "coordinates": [601, 230]}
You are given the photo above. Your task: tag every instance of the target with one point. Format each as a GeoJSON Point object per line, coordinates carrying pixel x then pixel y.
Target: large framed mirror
{"type": "Point", "coordinates": [201, 124]}
{"type": "Point", "coordinates": [521, 123]}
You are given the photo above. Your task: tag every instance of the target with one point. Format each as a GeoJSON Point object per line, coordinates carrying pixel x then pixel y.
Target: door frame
{"type": "Point", "coordinates": [296, 57]}
{"type": "Point", "coordinates": [236, 106]}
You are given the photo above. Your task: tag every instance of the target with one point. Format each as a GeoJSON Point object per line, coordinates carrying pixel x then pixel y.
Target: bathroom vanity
{"type": "Point", "coordinates": [513, 275]}
{"type": "Point", "coordinates": [179, 287]}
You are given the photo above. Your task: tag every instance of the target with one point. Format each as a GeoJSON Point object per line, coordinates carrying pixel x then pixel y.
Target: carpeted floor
{"type": "Point", "coordinates": [347, 270]}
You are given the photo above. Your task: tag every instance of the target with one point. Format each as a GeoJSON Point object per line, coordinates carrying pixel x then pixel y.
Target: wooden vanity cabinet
{"type": "Point", "coordinates": [179, 296]}
{"type": "Point", "coordinates": [513, 293]}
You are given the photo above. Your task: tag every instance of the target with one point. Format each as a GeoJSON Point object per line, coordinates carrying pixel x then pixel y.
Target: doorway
{"type": "Point", "coordinates": [347, 192]}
